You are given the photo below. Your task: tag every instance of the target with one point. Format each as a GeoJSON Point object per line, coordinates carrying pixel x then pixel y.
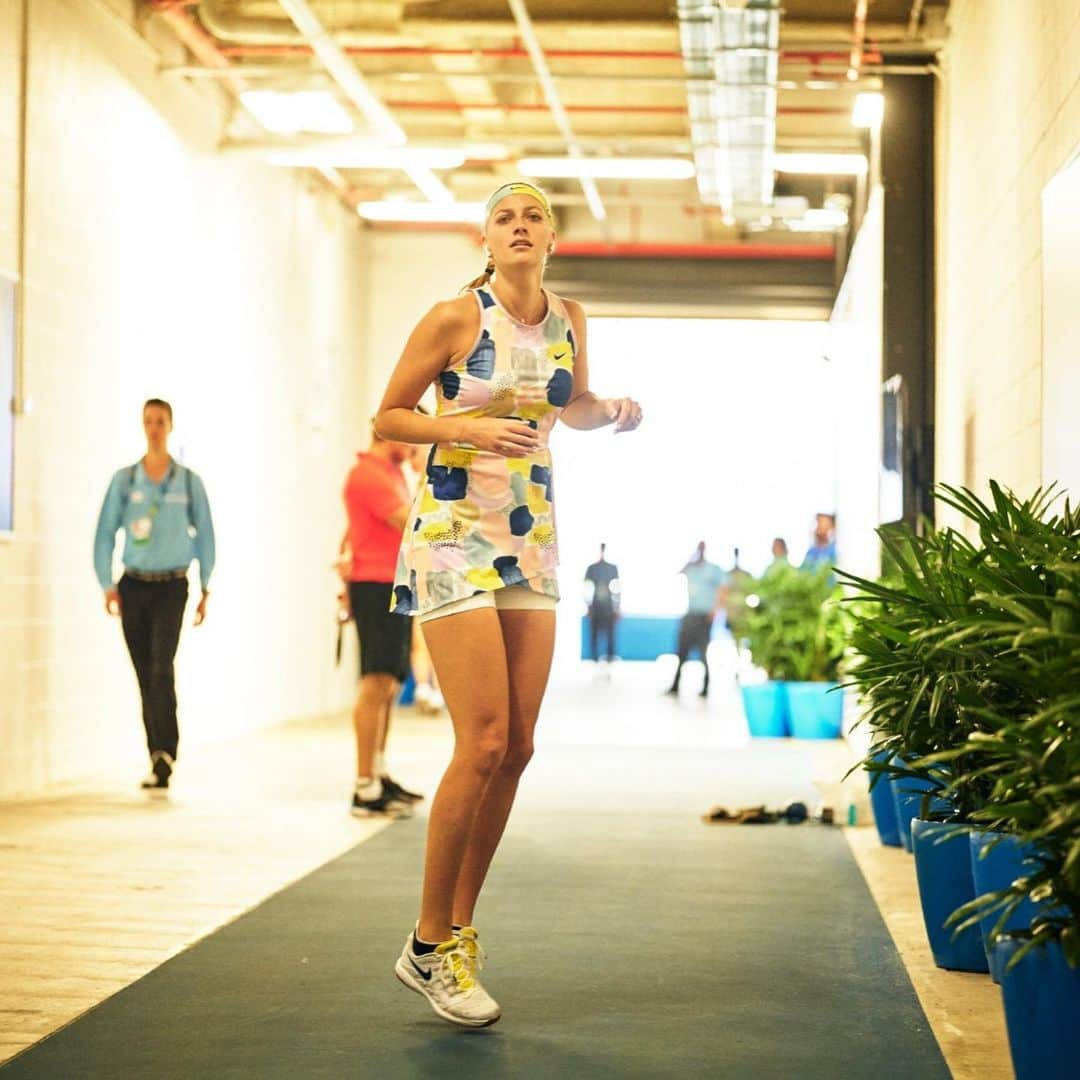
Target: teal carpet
{"type": "Point", "coordinates": [620, 946]}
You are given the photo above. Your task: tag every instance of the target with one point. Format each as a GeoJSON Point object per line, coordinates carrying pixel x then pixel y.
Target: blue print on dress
{"type": "Point", "coordinates": [521, 521]}
{"type": "Point", "coordinates": [451, 384]}
{"type": "Point", "coordinates": [447, 483]}
{"type": "Point", "coordinates": [403, 600]}
{"type": "Point", "coordinates": [509, 571]}
{"type": "Point", "coordinates": [482, 362]}
{"type": "Point", "coordinates": [559, 386]}
{"type": "Point", "coordinates": [485, 299]}
{"type": "Point", "coordinates": [540, 474]}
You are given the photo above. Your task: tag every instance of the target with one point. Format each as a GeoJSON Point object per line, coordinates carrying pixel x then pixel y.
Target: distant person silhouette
{"type": "Point", "coordinates": [705, 582]}
{"type": "Point", "coordinates": [602, 579]}
{"type": "Point", "coordinates": [779, 556]}
{"type": "Point", "coordinates": [734, 591]}
{"type": "Point", "coordinates": [377, 505]}
{"type": "Point", "coordinates": [822, 550]}
{"type": "Point", "coordinates": [162, 508]}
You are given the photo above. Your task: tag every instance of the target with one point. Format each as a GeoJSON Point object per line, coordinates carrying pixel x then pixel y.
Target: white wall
{"type": "Point", "coordinates": [1009, 118]}
{"type": "Point", "coordinates": [1061, 331]}
{"type": "Point", "coordinates": [854, 351]}
{"type": "Point", "coordinates": [158, 267]}
{"type": "Point", "coordinates": [412, 269]}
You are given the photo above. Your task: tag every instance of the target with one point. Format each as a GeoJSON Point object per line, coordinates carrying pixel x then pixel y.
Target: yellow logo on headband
{"type": "Point", "coordinates": [518, 187]}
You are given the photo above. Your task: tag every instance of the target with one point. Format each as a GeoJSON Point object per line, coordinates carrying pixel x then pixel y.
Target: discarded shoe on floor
{"type": "Point", "coordinates": [794, 814]}
{"type": "Point", "coordinates": [750, 815]}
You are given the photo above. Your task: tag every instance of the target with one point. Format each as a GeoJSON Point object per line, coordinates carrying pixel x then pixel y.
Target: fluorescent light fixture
{"type": "Point", "coordinates": [583, 168]}
{"type": "Point", "coordinates": [430, 185]}
{"type": "Point", "coordinates": [819, 220]}
{"type": "Point", "coordinates": [868, 111]}
{"type": "Point", "coordinates": [369, 157]}
{"type": "Point", "coordinates": [822, 164]}
{"type": "Point", "coordinates": [303, 110]}
{"type": "Point", "coordinates": [485, 151]}
{"type": "Point", "coordinates": [401, 210]}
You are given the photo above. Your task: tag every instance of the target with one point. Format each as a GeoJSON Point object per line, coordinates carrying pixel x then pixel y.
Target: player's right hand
{"type": "Point", "coordinates": [508, 438]}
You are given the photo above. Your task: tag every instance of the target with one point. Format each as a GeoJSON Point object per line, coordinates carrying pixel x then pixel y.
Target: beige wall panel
{"type": "Point", "coordinates": [10, 69]}
{"type": "Point", "coordinates": [158, 267]}
{"type": "Point", "coordinates": [1009, 117]}
{"type": "Point", "coordinates": [411, 271]}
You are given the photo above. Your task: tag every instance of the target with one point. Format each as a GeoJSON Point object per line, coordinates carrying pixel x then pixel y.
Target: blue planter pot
{"type": "Point", "coordinates": [1042, 1012]}
{"type": "Point", "coordinates": [814, 711]}
{"type": "Point", "coordinates": [766, 710]}
{"type": "Point", "coordinates": [995, 868]}
{"type": "Point", "coordinates": [945, 883]}
{"type": "Point", "coordinates": [884, 806]}
{"type": "Point", "coordinates": [907, 794]}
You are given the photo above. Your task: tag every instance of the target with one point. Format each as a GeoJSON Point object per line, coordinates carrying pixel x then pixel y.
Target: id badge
{"type": "Point", "coordinates": [141, 529]}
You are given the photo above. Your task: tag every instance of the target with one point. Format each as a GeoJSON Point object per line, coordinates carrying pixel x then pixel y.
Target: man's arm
{"type": "Point", "coordinates": [205, 547]}
{"type": "Point", "coordinates": [109, 520]}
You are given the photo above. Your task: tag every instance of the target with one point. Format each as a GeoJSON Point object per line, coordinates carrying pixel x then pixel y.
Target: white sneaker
{"type": "Point", "coordinates": [428, 700]}
{"type": "Point", "coordinates": [446, 977]}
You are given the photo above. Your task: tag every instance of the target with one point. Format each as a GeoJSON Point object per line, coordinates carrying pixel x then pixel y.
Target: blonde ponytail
{"type": "Point", "coordinates": [483, 279]}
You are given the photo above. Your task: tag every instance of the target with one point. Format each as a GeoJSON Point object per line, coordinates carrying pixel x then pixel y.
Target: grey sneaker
{"type": "Point", "coordinates": [447, 978]}
{"type": "Point", "coordinates": [385, 805]}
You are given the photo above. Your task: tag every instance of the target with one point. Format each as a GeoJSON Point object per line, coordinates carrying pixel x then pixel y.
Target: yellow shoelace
{"type": "Point", "coordinates": [457, 962]}
{"type": "Point", "coordinates": [470, 946]}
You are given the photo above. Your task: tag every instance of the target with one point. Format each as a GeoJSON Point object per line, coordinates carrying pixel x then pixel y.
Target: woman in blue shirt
{"type": "Point", "coordinates": [162, 508]}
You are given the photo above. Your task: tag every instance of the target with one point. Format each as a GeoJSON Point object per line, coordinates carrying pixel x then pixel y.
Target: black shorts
{"type": "Point", "coordinates": [385, 639]}
{"type": "Point", "coordinates": [695, 631]}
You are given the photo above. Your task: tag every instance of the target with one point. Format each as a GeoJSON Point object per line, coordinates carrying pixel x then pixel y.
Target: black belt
{"type": "Point", "coordinates": [156, 575]}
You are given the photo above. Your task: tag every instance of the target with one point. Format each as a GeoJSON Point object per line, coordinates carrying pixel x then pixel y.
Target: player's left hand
{"type": "Point", "coordinates": [625, 413]}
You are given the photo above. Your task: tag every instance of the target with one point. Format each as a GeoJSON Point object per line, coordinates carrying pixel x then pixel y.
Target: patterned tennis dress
{"type": "Point", "coordinates": [481, 521]}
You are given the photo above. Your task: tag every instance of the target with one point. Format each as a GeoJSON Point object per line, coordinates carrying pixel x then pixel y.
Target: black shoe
{"type": "Point", "coordinates": [396, 791]}
{"type": "Point", "coordinates": [384, 806]}
{"type": "Point", "coordinates": [160, 770]}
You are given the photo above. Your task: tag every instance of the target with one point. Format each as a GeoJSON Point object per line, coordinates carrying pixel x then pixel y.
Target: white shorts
{"type": "Point", "coordinates": [508, 598]}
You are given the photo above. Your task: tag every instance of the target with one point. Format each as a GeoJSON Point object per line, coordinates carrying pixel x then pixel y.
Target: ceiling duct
{"type": "Point", "coordinates": [354, 19]}
{"type": "Point", "coordinates": [730, 51]}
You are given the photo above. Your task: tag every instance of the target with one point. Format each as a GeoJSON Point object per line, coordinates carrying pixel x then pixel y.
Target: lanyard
{"type": "Point", "coordinates": [160, 489]}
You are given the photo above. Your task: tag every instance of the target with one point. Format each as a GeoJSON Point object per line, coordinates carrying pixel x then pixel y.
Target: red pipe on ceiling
{"type": "Point", "coordinates": [596, 249]}
{"type": "Point", "coordinates": [459, 106]}
{"type": "Point", "coordinates": [201, 45]}
{"type": "Point", "coordinates": [809, 56]}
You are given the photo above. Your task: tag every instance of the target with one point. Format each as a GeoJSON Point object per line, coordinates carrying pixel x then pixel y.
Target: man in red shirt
{"type": "Point", "coordinates": [377, 503]}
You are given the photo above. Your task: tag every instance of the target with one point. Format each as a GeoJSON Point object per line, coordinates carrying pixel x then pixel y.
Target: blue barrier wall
{"type": "Point", "coordinates": [638, 637]}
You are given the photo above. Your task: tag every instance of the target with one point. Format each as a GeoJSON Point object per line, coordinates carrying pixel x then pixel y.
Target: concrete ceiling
{"type": "Point", "coordinates": [454, 72]}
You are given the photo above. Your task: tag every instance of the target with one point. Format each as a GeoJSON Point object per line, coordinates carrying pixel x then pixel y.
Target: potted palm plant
{"type": "Point", "coordinates": [919, 699]}
{"type": "Point", "coordinates": [1005, 647]}
{"type": "Point", "coordinates": [1027, 611]}
{"type": "Point", "coordinates": [795, 629]}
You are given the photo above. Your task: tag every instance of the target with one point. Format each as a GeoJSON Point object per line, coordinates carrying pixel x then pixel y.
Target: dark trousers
{"type": "Point", "coordinates": [694, 633]}
{"type": "Point", "coordinates": [152, 613]}
{"type": "Point", "coordinates": [602, 624]}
